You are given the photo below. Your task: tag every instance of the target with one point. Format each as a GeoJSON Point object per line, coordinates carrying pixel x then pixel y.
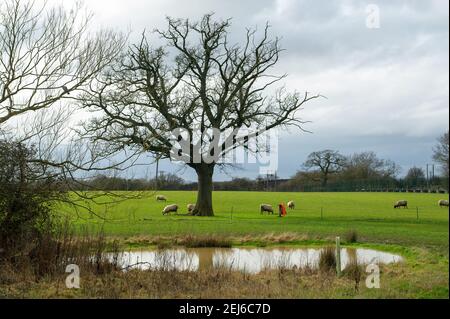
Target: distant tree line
{"type": "Point", "coordinates": [165, 181]}
{"type": "Point", "coordinates": [326, 170]}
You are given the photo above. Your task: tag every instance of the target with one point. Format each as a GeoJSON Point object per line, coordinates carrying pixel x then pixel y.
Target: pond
{"type": "Point", "coordinates": [250, 260]}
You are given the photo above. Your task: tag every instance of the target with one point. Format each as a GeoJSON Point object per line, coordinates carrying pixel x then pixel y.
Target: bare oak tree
{"type": "Point", "coordinates": [197, 80]}
{"type": "Point", "coordinates": [327, 162]}
{"type": "Point", "coordinates": [367, 165]}
{"type": "Point", "coordinates": [440, 153]}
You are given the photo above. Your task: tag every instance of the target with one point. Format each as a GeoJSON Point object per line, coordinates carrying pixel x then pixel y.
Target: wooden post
{"type": "Point", "coordinates": [417, 212]}
{"type": "Point", "coordinates": [231, 216]}
{"type": "Point", "coordinates": [338, 256]}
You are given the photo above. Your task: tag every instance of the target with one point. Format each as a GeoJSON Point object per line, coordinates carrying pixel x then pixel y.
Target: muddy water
{"type": "Point", "coordinates": [251, 260]}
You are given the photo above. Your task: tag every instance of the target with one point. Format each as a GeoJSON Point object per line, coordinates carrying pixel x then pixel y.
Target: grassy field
{"type": "Point", "coordinates": [316, 216]}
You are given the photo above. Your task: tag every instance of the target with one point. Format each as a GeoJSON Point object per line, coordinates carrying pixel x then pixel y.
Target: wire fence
{"type": "Point", "coordinates": [438, 185]}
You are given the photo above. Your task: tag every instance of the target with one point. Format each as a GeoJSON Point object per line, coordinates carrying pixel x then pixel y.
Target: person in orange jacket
{"type": "Point", "coordinates": [282, 210]}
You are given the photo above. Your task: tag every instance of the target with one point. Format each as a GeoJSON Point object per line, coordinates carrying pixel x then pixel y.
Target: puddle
{"type": "Point", "coordinates": [250, 260]}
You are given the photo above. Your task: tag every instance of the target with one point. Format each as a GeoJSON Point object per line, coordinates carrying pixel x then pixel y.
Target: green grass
{"type": "Point", "coordinates": [423, 243]}
{"type": "Point", "coordinates": [237, 213]}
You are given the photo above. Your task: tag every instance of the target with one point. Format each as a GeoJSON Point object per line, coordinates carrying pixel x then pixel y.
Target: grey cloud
{"type": "Point", "coordinates": [387, 88]}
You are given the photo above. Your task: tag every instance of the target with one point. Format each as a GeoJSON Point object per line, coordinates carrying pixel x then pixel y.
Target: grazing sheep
{"type": "Point", "coordinates": [190, 207]}
{"type": "Point", "coordinates": [170, 209]}
{"type": "Point", "coordinates": [291, 204]}
{"type": "Point", "coordinates": [401, 203]}
{"type": "Point", "coordinates": [266, 208]}
{"type": "Point", "coordinates": [443, 202]}
{"type": "Point", "coordinates": [161, 198]}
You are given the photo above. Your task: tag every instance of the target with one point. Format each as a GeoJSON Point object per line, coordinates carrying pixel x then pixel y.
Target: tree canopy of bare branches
{"type": "Point", "coordinates": [367, 165]}
{"type": "Point", "coordinates": [326, 161]}
{"type": "Point", "coordinates": [46, 55]}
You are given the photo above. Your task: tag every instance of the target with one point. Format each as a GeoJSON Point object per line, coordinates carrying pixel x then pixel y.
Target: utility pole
{"type": "Point", "coordinates": [156, 173]}
{"type": "Point", "coordinates": [275, 181]}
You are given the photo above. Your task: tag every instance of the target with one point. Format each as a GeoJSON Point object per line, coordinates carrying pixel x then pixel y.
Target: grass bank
{"type": "Point", "coordinates": [419, 234]}
{"type": "Point", "coordinates": [317, 216]}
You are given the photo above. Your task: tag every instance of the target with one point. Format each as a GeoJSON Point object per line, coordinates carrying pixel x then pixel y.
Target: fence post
{"type": "Point", "coordinates": [231, 216]}
{"type": "Point", "coordinates": [417, 212]}
{"type": "Point", "coordinates": [338, 256]}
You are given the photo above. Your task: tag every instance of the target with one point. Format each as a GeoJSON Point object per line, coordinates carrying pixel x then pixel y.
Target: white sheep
{"type": "Point", "coordinates": [443, 202]}
{"type": "Point", "coordinates": [401, 203]}
{"type": "Point", "coordinates": [170, 209]}
{"type": "Point", "coordinates": [266, 208]}
{"type": "Point", "coordinates": [161, 198]}
{"type": "Point", "coordinates": [190, 207]}
{"type": "Point", "coordinates": [291, 204]}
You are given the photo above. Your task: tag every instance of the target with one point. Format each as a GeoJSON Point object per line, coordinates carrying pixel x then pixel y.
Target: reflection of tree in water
{"type": "Point", "coordinates": [352, 256]}
{"type": "Point", "coordinates": [205, 258]}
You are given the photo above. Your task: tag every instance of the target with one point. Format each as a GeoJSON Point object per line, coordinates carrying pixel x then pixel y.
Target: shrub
{"type": "Point", "coordinates": [351, 236]}
{"type": "Point", "coordinates": [354, 271]}
{"type": "Point", "coordinates": [28, 189]}
{"type": "Point", "coordinates": [327, 259]}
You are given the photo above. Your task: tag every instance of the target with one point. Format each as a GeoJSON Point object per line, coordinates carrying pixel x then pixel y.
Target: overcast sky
{"type": "Point", "coordinates": [387, 88]}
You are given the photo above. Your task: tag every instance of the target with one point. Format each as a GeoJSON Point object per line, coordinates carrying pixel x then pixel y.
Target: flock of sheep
{"type": "Point", "coordinates": [267, 208]}
{"type": "Point", "coordinates": [173, 208]}
{"type": "Point", "coordinates": [404, 203]}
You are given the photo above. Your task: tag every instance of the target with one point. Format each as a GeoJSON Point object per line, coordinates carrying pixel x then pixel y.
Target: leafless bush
{"type": "Point", "coordinates": [354, 271]}
{"type": "Point", "coordinates": [327, 259]}
{"type": "Point", "coordinates": [351, 236]}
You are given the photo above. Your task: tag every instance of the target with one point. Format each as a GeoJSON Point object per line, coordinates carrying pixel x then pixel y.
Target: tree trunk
{"type": "Point", "coordinates": [325, 177]}
{"type": "Point", "coordinates": [203, 206]}
{"type": "Point", "coordinates": [324, 181]}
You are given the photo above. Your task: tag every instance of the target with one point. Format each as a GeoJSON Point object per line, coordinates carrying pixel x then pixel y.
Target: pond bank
{"type": "Point", "coordinates": [423, 275]}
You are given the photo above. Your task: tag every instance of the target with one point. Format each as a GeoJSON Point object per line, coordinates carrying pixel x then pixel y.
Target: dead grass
{"type": "Point", "coordinates": [191, 241]}
{"type": "Point", "coordinates": [397, 281]}
{"type": "Point", "coordinates": [214, 283]}
{"type": "Point", "coordinates": [351, 236]}
{"type": "Point", "coordinates": [49, 254]}
{"type": "Point", "coordinates": [215, 240]}
{"type": "Point", "coordinates": [355, 272]}
{"type": "Point", "coordinates": [327, 259]}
